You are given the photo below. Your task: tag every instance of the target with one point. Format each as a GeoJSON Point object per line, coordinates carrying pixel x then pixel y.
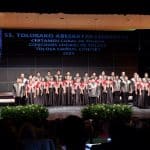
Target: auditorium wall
{"type": "Point", "coordinates": [80, 64]}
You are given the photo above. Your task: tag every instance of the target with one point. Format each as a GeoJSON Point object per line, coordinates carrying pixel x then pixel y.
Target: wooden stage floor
{"type": "Point", "coordinates": [61, 112]}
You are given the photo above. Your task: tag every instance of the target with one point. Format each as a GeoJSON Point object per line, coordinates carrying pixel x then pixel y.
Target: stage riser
{"type": "Point", "coordinates": [6, 98]}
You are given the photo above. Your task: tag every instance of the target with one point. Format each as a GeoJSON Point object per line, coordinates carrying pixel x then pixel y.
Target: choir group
{"type": "Point", "coordinates": [59, 90]}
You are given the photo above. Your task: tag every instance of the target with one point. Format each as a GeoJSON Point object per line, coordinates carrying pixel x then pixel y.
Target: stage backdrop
{"type": "Point", "coordinates": [30, 51]}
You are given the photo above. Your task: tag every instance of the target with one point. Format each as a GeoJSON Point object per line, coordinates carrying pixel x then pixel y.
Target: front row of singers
{"type": "Point", "coordinates": [51, 92]}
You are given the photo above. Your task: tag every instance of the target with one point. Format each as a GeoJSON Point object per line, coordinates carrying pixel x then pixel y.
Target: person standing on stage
{"type": "Point", "coordinates": [51, 91]}
{"type": "Point", "coordinates": [99, 88]}
{"type": "Point", "coordinates": [117, 88]}
{"type": "Point", "coordinates": [112, 77]}
{"type": "Point", "coordinates": [68, 84]}
{"type": "Point", "coordinates": [138, 91]}
{"type": "Point", "coordinates": [142, 89]}
{"type": "Point", "coordinates": [58, 75]}
{"type": "Point", "coordinates": [86, 77]}
{"type": "Point", "coordinates": [84, 89]}
{"type": "Point", "coordinates": [31, 90]}
{"type": "Point", "coordinates": [109, 90]}
{"type": "Point", "coordinates": [38, 76]}
{"type": "Point", "coordinates": [92, 91]}
{"type": "Point", "coordinates": [43, 90]}
{"type": "Point", "coordinates": [60, 92]}
{"type": "Point", "coordinates": [103, 75]}
{"type": "Point", "coordinates": [37, 91]}
{"type": "Point", "coordinates": [146, 77]}
{"type": "Point", "coordinates": [125, 89]}
{"type": "Point", "coordinates": [146, 80]}
{"type": "Point", "coordinates": [77, 77]}
{"type": "Point", "coordinates": [134, 82]}
{"type": "Point", "coordinates": [18, 91]}
{"type": "Point", "coordinates": [84, 92]}
{"type": "Point", "coordinates": [104, 91]}
{"type": "Point", "coordinates": [48, 76]}
{"type": "Point", "coordinates": [77, 90]}
{"type": "Point", "coordinates": [93, 76]}
{"type": "Point", "coordinates": [123, 75]}
{"type": "Point", "coordinates": [145, 84]}
{"type": "Point", "coordinates": [24, 82]}
{"type": "Point", "coordinates": [47, 79]}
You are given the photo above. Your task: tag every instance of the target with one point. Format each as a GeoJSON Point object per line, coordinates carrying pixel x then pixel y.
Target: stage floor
{"type": "Point", "coordinates": [61, 112]}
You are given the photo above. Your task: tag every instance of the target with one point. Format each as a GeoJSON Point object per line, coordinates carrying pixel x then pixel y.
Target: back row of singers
{"type": "Point", "coordinates": [58, 90]}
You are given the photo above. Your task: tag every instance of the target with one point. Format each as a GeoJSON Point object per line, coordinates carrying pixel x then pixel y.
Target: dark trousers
{"type": "Point", "coordinates": [104, 97]}
{"type": "Point", "coordinates": [20, 100]}
{"type": "Point", "coordinates": [125, 97]}
{"type": "Point", "coordinates": [92, 100]}
{"type": "Point", "coordinates": [134, 95]}
{"type": "Point", "coordinates": [23, 100]}
{"type": "Point", "coordinates": [116, 97]}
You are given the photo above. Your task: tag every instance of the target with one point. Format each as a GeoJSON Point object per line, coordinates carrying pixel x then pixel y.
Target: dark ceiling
{"type": "Point", "coordinates": [77, 6]}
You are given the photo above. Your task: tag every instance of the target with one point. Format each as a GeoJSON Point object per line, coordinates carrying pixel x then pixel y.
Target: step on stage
{"type": "Point", "coordinates": [60, 112]}
{"type": "Point", "coordinates": [6, 98]}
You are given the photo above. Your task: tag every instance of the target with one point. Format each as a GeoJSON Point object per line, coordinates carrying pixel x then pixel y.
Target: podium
{"type": "Point", "coordinates": [6, 98]}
